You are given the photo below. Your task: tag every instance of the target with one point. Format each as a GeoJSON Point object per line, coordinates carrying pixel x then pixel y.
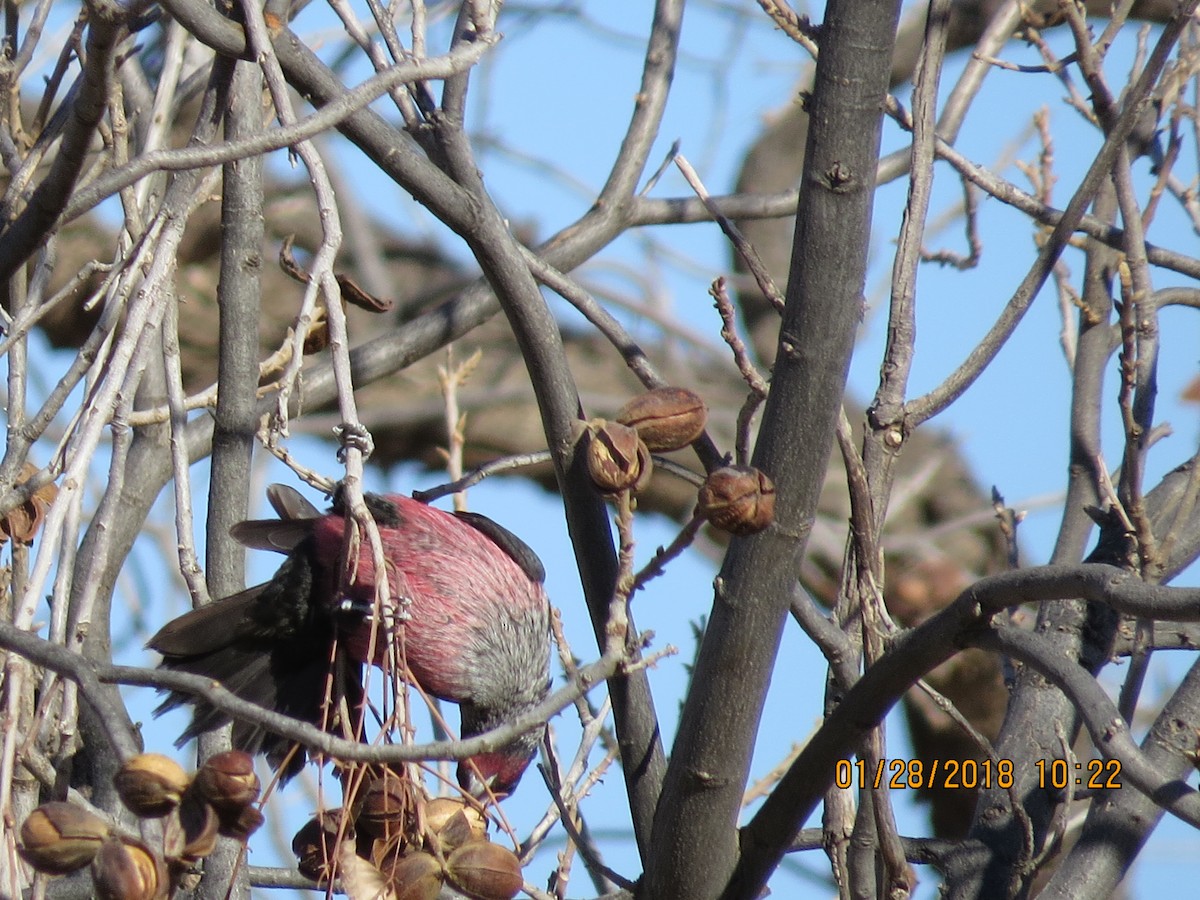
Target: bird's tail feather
{"type": "Point", "coordinates": [282, 676]}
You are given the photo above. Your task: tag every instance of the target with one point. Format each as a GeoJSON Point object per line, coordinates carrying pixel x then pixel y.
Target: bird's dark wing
{"type": "Point", "coordinates": [271, 645]}
{"type": "Point", "coordinates": [279, 680]}
{"type": "Point", "coordinates": [519, 551]}
{"type": "Point", "coordinates": [293, 685]}
{"type": "Point", "coordinates": [208, 628]}
{"type": "Point", "coordinates": [289, 503]}
{"type": "Point", "coordinates": [280, 535]}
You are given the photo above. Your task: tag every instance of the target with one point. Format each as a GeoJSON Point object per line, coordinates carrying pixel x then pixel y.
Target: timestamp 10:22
{"type": "Point", "coordinates": [1095, 774]}
{"type": "Point", "coordinates": [971, 774]}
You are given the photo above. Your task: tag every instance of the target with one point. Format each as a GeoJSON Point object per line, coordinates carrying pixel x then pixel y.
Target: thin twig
{"type": "Point", "coordinates": [744, 249]}
{"type": "Point", "coordinates": [657, 564]}
{"type": "Point", "coordinates": [755, 381]}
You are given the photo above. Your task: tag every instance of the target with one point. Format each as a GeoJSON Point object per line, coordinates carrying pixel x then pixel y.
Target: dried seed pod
{"type": "Point", "coordinates": [456, 832]}
{"type": "Point", "coordinates": [738, 499]}
{"type": "Point", "coordinates": [384, 853]}
{"type": "Point", "coordinates": [125, 870]}
{"type": "Point", "coordinates": [454, 821]}
{"type": "Point", "coordinates": [57, 838]}
{"type": "Point", "coordinates": [439, 810]}
{"type": "Point", "coordinates": [617, 459]}
{"type": "Point", "coordinates": [359, 878]}
{"type": "Point", "coordinates": [227, 782]}
{"type": "Point", "coordinates": [200, 827]}
{"type": "Point", "coordinates": [485, 870]}
{"type": "Point", "coordinates": [417, 876]}
{"type": "Point", "coordinates": [316, 338]}
{"type": "Point", "coordinates": [667, 418]}
{"type": "Point", "coordinates": [387, 806]}
{"type": "Point", "coordinates": [315, 845]}
{"type": "Point", "coordinates": [150, 784]}
{"type": "Point", "coordinates": [241, 826]}
{"type": "Point", "coordinates": [460, 828]}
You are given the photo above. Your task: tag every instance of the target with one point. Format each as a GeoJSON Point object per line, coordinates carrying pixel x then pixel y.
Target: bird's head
{"type": "Point", "coordinates": [494, 772]}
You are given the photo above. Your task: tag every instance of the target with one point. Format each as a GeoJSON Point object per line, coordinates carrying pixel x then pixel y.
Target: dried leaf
{"type": "Point", "coordinates": [288, 263]}
{"type": "Point", "coordinates": [352, 293]}
{"type": "Point", "coordinates": [24, 522]}
{"type": "Point", "coordinates": [360, 879]}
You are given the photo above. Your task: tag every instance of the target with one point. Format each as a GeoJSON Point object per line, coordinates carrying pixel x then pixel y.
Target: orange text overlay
{"type": "Point", "coordinates": [972, 774]}
{"type": "Point", "coordinates": [913, 774]}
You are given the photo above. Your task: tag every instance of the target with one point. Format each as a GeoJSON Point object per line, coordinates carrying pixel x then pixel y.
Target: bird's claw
{"type": "Point", "coordinates": [366, 608]}
{"type": "Point", "coordinates": [354, 435]}
{"type": "Point", "coordinates": [350, 605]}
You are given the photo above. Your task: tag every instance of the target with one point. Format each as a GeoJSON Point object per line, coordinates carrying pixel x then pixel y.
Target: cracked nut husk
{"type": "Point", "coordinates": [150, 785]}
{"type": "Point", "coordinates": [485, 870]}
{"type": "Point", "coordinates": [385, 854]}
{"type": "Point", "coordinates": [416, 876]}
{"type": "Point", "coordinates": [667, 418]}
{"type": "Point", "coordinates": [617, 459]}
{"type": "Point", "coordinates": [125, 870]}
{"type": "Point", "coordinates": [200, 827]}
{"type": "Point", "coordinates": [227, 781]}
{"type": "Point", "coordinates": [239, 827]}
{"type": "Point", "coordinates": [453, 822]}
{"type": "Point", "coordinates": [738, 499]}
{"type": "Point", "coordinates": [57, 838]}
{"type": "Point", "coordinates": [441, 810]}
{"type": "Point", "coordinates": [387, 806]}
{"type": "Point", "coordinates": [315, 844]}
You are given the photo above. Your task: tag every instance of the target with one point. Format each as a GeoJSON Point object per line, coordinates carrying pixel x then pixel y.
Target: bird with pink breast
{"type": "Point", "coordinates": [469, 623]}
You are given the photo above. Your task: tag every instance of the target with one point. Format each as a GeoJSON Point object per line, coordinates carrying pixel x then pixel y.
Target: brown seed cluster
{"type": "Point", "coordinates": [737, 499]}
{"type": "Point", "coordinates": [414, 845]}
{"type": "Point", "coordinates": [59, 838]}
{"type": "Point", "coordinates": [658, 421]}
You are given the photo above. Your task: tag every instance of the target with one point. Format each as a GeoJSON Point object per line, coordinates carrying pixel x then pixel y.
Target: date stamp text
{"type": "Point", "coordinates": [971, 774]}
